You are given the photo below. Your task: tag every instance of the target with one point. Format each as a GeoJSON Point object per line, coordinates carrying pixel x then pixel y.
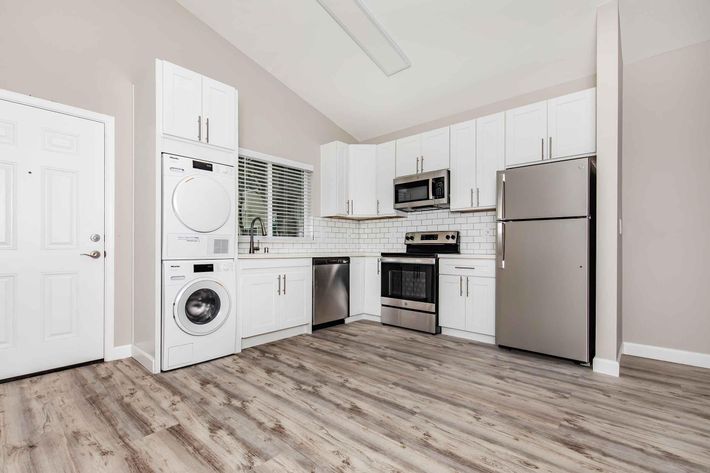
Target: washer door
{"type": "Point", "coordinates": [201, 307]}
{"type": "Point", "coordinates": [202, 204]}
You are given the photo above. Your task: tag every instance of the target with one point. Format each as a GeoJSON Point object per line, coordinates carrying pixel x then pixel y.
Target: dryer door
{"type": "Point", "coordinates": [201, 307]}
{"type": "Point", "coordinates": [202, 204]}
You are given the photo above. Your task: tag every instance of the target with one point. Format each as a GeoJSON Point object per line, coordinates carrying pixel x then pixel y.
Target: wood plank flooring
{"type": "Point", "coordinates": [360, 397]}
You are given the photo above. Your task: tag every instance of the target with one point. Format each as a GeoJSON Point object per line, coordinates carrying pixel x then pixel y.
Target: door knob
{"type": "Point", "coordinates": [95, 237]}
{"type": "Point", "coordinates": [94, 254]}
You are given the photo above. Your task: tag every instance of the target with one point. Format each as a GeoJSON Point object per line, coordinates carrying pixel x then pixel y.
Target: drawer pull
{"type": "Point", "coordinates": [465, 267]}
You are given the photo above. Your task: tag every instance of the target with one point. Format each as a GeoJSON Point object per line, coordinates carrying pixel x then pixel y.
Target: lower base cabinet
{"type": "Point", "coordinates": [467, 296]}
{"type": "Point", "coordinates": [273, 295]}
{"type": "Point", "coordinates": [365, 285]}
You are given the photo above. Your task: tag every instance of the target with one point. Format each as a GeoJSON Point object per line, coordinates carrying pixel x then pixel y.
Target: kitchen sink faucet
{"type": "Point", "coordinates": [254, 248]}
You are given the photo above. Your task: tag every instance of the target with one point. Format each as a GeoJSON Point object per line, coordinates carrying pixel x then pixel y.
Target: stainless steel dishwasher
{"type": "Point", "coordinates": [331, 291]}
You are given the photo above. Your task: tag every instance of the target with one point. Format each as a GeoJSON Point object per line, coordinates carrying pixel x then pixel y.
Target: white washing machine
{"type": "Point", "coordinates": [198, 209]}
{"type": "Point", "coordinates": [199, 311]}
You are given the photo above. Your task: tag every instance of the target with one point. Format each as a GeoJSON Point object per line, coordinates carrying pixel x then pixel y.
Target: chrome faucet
{"type": "Point", "coordinates": [254, 248]}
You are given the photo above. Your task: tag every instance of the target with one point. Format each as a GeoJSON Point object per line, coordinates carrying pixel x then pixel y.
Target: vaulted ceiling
{"type": "Point", "coordinates": [464, 53]}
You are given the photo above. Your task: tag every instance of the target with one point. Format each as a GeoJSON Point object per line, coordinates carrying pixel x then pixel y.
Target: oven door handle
{"type": "Point", "coordinates": [409, 260]}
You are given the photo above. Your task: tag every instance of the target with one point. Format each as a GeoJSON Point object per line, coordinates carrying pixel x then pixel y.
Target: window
{"type": "Point", "coordinates": [277, 193]}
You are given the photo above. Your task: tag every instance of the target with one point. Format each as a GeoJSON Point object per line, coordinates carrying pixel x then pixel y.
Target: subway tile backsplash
{"type": "Point", "coordinates": [477, 233]}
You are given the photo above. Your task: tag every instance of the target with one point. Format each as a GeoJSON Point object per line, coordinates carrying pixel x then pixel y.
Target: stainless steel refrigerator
{"type": "Point", "coordinates": [545, 258]}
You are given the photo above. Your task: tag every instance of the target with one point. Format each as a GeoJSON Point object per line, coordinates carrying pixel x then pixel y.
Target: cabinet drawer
{"type": "Point", "coordinates": [468, 267]}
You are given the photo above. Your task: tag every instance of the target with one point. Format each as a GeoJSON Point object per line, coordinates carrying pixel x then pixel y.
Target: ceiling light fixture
{"type": "Point", "coordinates": [361, 25]}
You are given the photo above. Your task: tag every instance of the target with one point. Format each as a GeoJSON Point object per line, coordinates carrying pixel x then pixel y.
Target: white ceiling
{"type": "Point", "coordinates": [464, 53]}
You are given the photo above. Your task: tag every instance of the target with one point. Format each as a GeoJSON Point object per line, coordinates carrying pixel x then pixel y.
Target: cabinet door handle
{"type": "Point", "coordinates": [199, 128]}
{"type": "Point", "coordinates": [460, 286]}
{"type": "Point", "coordinates": [284, 291]}
{"type": "Point", "coordinates": [417, 164]}
{"type": "Point", "coordinates": [478, 197]}
{"type": "Point", "coordinates": [207, 124]}
{"type": "Point", "coordinates": [378, 207]}
{"type": "Point", "coordinates": [550, 149]}
{"type": "Point", "coordinates": [471, 196]}
{"type": "Point", "coordinates": [466, 286]}
{"type": "Point", "coordinates": [542, 148]}
{"type": "Point", "coordinates": [352, 207]}
{"type": "Point", "coordinates": [379, 261]}
{"type": "Point", "coordinates": [422, 166]}
{"type": "Point", "coordinates": [279, 291]}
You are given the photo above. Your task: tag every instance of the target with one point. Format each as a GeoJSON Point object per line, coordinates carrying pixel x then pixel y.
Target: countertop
{"type": "Point", "coordinates": [246, 256]}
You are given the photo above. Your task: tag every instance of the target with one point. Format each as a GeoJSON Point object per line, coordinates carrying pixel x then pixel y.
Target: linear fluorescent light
{"type": "Point", "coordinates": [360, 24]}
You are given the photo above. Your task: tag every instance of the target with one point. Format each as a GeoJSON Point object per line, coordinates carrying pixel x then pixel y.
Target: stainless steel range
{"type": "Point", "coordinates": [409, 291]}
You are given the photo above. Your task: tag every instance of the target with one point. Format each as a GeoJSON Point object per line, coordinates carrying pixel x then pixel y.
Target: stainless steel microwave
{"type": "Point", "coordinates": [426, 190]}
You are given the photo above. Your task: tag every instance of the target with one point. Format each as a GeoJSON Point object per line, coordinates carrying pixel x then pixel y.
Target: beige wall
{"type": "Point", "coordinates": [554, 90]}
{"type": "Point", "coordinates": [87, 53]}
{"type": "Point", "coordinates": [666, 200]}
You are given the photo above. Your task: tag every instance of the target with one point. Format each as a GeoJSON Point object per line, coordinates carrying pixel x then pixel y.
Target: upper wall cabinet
{"type": "Point", "coordinates": [571, 124]}
{"type": "Point", "coordinates": [428, 151]}
{"type": "Point", "coordinates": [556, 128]}
{"type": "Point", "coordinates": [526, 133]}
{"type": "Point", "coordinates": [477, 153]}
{"type": "Point", "coordinates": [198, 108]}
{"type": "Point", "coordinates": [334, 179]}
{"type": "Point", "coordinates": [385, 176]}
{"type": "Point", "coordinates": [362, 181]}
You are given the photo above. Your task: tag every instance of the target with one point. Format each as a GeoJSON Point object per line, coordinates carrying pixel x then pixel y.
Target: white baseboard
{"type": "Point", "coordinates": [145, 359]}
{"type": "Point", "coordinates": [355, 318]}
{"type": "Point", "coordinates": [274, 336]}
{"type": "Point", "coordinates": [701, 360]}
{"type": "Point", "coordinates": [475, 337]}
{"type": "Point", "coordinates": [605, 366]}
{"type": "Point", "coordinates": [118, 353]}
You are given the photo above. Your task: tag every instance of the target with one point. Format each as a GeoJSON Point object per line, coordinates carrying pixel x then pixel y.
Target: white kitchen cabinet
{"type": "Point", "coordinates": [428, 151]}
{"type": "Point", "coordinates": [526, 134]}
{"type": "Point", "coordinates": [490, 157]}
{"type": "Point", "coordinates": [409, 152]}
{"type": "Point", "coordinates": [477, 153]}
{"type": "Point", "coordinates": [463, 166]}
{"type": "Point", "coordinates": [467, 298]}
{"type": "Point", "coordinates": [385, 174]}
{"type": "Point", "coordinates": [357, 286]}
{"type": "Point", "coordinates": [365, 285]}
{"type": "Point", "coordinates": [435, 150]}
{"type": "Point", "coordinates": [452, 304]}
{"type": "Point", "coordinates": [219, 113]}
{"type": "Point", "coordinates": [274, 294]}
{"type": "Point", "coordinates": [198, 108]}
{"type": "Point", "coordinates": [362, 182]}
{"type": "Point", "coordinates": [561, 127]}
{"type": "Point", "coordinates": [572, 124]}
{"type": "Point", "coordinates": [182, 102]}
{"type": "Point", "coordinates": [334, 199]}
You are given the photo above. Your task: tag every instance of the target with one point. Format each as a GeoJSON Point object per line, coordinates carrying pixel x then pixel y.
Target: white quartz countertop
{"type": "Point", "coordinates": [246, 256]}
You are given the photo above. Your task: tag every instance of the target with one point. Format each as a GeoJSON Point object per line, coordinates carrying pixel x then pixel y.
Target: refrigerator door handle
{"type": "Point", "coordinates": [500, 245]}
{"type": "Point", "coordinates": [500, 200]}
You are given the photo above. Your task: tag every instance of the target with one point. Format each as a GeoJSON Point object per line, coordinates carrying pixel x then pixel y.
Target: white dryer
{"type": "Point", "coordinates": [198, 209]}
{"type": "Point", "coordinates": [199, 312]}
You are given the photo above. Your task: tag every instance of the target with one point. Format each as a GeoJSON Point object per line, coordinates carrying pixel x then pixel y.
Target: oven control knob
{"type": "Point", "coordinates": [448, 237]}
{"type": "Point", "coordinates": [453, 237]}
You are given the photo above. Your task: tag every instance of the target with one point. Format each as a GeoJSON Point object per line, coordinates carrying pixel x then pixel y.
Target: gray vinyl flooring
{"type": "Point", "coordinates": [361, 397]}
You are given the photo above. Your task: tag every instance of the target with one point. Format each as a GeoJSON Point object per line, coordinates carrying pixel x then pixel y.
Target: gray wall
{"type": "Point", "coordinates": [87, 53]}
{"type": "Point", "coordinates": [666, 200]}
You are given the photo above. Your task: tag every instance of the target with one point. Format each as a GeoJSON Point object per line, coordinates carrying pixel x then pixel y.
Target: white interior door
{"type": "Point", "coordinates": [182, 103]}
{"type": "Point", "coordinates": [219, 110]}
{"type": "Point", "coordinates": [51, 205]}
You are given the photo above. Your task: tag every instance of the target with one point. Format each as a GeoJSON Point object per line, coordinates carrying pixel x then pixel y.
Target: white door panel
{"type": "Point", "coordinates": [362, 182]}
{"type": "Point", "coordinates": [295, 300]}
{"type": "Point", "coordinates": [480, 313]}
{"type": "Point", "coordinates": [572, 124]}
{"type": "Point", "coordinates": [386, 172]}
{"type": "Point", "coordinates": [409, 152]}
{"type": "Point", "coordinates": [372, 286]}
{"type": "Point", "coordinates": [490, 157]}
{"type": "Point", "coordinates": [463, 165]}
{"type": "Point", "coordinates": [526, 134]}
{"type": "Point", "coordinates": [258, 310]}
{"type": "Point", "coordinates": [219, 110]}
{"type": "Point", "coordinates": [452, 302]}
{"type": "Point", "coordinates": [435, 150]}
{"type": "Point", "coordinates": [51, 203]}
{"type": "Point", "coordinates": [182, 102]}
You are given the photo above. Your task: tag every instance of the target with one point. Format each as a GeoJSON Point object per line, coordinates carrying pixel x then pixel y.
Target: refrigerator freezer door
{"type": "Point", "coordinates": [542, 295]}
{"type": "Point", "coordinates": [548, 190]}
